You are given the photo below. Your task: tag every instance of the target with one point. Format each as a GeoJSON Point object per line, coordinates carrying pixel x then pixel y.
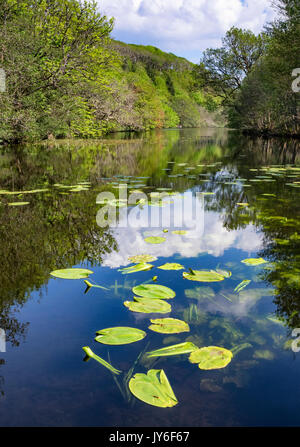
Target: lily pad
{"type": "Point", "coordinates": [211, 357]}
{"type": "Point", "coordinates": [203, 276]}
{"type": "Point", "coordinates": [18, 203]}
{"type": "Point", "coordinates": [153, 388]}
{"type": "Point", "coordinates": [154, 291]}
{"type": "Point", "coordinates": [180, 232]}
{"type": "Point", "coordinates": [148, 306]}
{"type": "Point", "coordinates": [136, 268]}
{"type": "Point", "coordinates": [155, 240]}
{"type": "Point", "coordinates": [171, 266]}
{"type": "Point", "coordinates": [119, 335]}
{"type": "Point", "coordinates": [142, 258]}
{"type": "Point", "coordinates": [181, 348]}
{"type": "Point", "coordinates": [254, 261]}
{"type": "Point", "coordinates": [71, 273]}
{"type": "Point", "coordinates": [225, 273]}
{"type": "Point", "coordinates": [169, 326]}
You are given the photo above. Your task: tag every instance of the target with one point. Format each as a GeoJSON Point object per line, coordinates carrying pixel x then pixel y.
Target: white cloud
{"type": "Point", "coordinates": [184, 26]}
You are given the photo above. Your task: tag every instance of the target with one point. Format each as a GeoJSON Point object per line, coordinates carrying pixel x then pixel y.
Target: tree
{"type": "Point", "coordinates": [225, 68]}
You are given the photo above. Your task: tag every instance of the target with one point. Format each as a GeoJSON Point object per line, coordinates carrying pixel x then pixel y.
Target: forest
{"type": "Point", "coordinates": [66, 77]}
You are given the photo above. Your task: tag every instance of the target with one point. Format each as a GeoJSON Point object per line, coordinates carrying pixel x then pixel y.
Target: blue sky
{"type": "Point", "coordinates": [183, 27]}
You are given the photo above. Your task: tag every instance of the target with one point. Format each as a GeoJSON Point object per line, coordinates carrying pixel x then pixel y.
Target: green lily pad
{"type": "Point", "coordinates": [98, 359]}
{"type": "Point", "coordinates": [155, 240]}
{"type": "Point", "coordinates": [181, 348]}
{"type": "Point", "coordinates": [71, 273]}
{"type": "Point", "coordinates": [153, 388]}
{"type": "Point", "coordinates": [148, 306]}
{"type": "Point", "coordinates": [119, 335]}
{"type": "Point", "coordinates": [203, 276]}
{"type": "Point", "coordinates": [180, 232]}
{"type": "Point", "coordinates": [154, 291]}
{"type": "Point", "coordinates": [18, 203]}
{"type": "Point", "coordinates": [169, 326]}
{"type": "Point", "coordinates": [171, 266]}
{"type": "Point", "coordinates": [136, 268]}
{"type": "Point", "coordinates": [254, 261]}
{"type": "Point", "coordinates": [142, 258]}
{"type": "Point", "coordinates": [211, 357]}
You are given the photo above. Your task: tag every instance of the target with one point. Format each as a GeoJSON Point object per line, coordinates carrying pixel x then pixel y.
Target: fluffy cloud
{"type": "Point", "coordinates": [184, 27]}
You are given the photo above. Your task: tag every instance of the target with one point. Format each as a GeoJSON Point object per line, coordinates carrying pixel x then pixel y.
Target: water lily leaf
{"type": "Point", "coordinates": [142, 258]}
{"type": "Point", "coordinates": [89, 285]}
{"type": "Point", "coordinates": [242, 285]}
{"type": "Point", "coordinates": [180, 232]}
{"type": "Point", "coordinates": [98, 359]}
{"type": "Point", "coordinates": [154, 291]}
{"type": "Point", "coordinates": [169, 326]}
{"type": "Point", "coordinates": [155, 240]}
{"type": "Point", "coordinates": [119, 335]}
{"type": "Point", "coordinates": [148, 306]}
{"type": "Point", "coordinates": [211, 357]}
{"type": "Point", "coordinates": [203, 276]}
{"type": "Point", "coordinates": [136, 268]}
{"type": "Point", "coordinates": [181, 348]}
{"type": "Point", "coordinates": [18, 203]}
{"type": "Point", "coordinates": [171, 266]}
{"type": "Point", "coordinates": [71, 273]}
{"type": "Point", "coordinates": [153, 388]}
{"type": "Point", "coordinates": [254, 261]}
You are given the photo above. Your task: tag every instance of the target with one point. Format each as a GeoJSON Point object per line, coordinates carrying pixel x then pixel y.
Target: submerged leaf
{"type": "Point", "coordinates": [169, 326]}
{"type": "Point", "coordinates": [181, 348]}
{"type": "Point", "coordinates": [203, 276]}
{"type": "Point", "coordinates": [171, 266]}
{"type": "Point", "coordinates": [225, 273]}
{"type": "Point", "coordinates": [153, 388]}
{"type": "Point", "coordinates": [155, 240]}
{"type": "Point", "coordinates": [136, 268]}
{"type": "Point", "coordinates": [148, 306]}
{"type": "Point", "coordinates": [71, 273]}
{"type": "Point", "coordinates": [211, 357]}
{"type": "Point", "coordinates": [119, 335]}
{"type": "Point", "coordinates": [242, 285]}
{"type": "Point", "coordinates": [154, 291]}
{"type": "Point", "coordinates": [254, 261]}
{"type": "Point", "coordinates": [98, 359]}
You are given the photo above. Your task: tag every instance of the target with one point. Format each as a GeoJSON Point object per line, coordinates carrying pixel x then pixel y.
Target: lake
{"type": "Point", "coordinates": [214, 200]}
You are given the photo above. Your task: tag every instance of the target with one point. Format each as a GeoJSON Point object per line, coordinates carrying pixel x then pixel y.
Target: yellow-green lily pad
{"type": "Point", "coordinates": [155, 240]}
{"type": "Point", "coordinates": [148, 306]}
{"type": "Point", "coordinates": [254, 261]}
{"type": "Point", "coordinates": [153, 388]}
{"type": "Point", "coordinates": [142, 258]}
{"type": "Point", "coordinates": [119, 335]}
{"type": "Point", "coordinates": [154, 291]}
{"type": "Point", "coordinates": [71, 273]}
{"type": "Point", "coordinates": [171, 266]}
{"type": "Point", "coordinates": [178, 349]}
{"type": "Point", "coordinates": [169, 326]}
{"type": "Point", "coordinates": [203, 276]}
{"type": "Point", "coordinates": [211, 357]}
{"type": "Point", "coordinates": [142, 267]}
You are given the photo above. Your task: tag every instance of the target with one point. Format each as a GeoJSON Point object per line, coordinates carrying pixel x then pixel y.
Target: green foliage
{"type": "Point", "coordinates": [67, 78]}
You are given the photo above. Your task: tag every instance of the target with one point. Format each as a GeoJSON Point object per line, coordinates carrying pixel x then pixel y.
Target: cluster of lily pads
{"type": "Point", "coordinates": [154, 388]}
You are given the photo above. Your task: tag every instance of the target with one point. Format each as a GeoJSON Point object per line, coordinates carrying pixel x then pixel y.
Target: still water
{"type": "Point", "coordinates": [237, 198]}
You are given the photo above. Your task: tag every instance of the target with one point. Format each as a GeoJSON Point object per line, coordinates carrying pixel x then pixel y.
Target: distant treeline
{"type": "Point", "coordinates": [253, 74]}
{"type": "Point", "coordinates": [66, 77]}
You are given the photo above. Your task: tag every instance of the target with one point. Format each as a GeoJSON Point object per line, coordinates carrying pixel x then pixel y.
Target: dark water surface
{"type": "Point", "coordinates": [253, 211]}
